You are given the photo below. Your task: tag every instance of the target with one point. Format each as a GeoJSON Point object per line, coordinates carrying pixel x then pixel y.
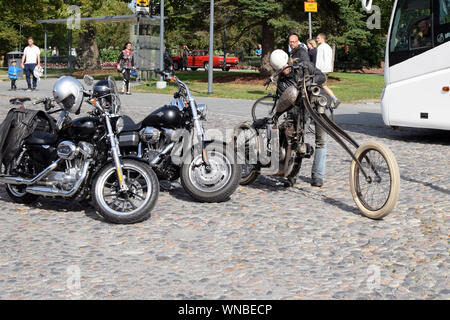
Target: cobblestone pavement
{"type": "Point", "coordinates": [267, 242]}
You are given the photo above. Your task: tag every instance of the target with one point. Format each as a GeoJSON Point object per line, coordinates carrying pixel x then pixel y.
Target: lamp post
{"type": "Point", "coordinates": [211, 48]}
{"type": "Point", "coordinates": [161, 84]}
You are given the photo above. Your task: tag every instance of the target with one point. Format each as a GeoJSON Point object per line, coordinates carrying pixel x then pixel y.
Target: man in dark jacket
{"type": "Point", "coordinates": [297, 50]}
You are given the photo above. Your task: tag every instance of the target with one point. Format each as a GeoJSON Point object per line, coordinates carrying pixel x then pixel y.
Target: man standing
{"type": "Point", "coordinates": [318, 170]}
{"type": "Point", "coordinates": [324, 63]}
{"type": "Point", "coordinates": [31, 59]}
{"type": "Point", "coordinates": [298, 50]}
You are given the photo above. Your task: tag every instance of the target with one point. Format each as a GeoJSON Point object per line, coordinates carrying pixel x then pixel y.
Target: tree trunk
{"type": "Point", "coordinates": [89, 56]}
{"type": "Point", "coordinates": [268, 43]}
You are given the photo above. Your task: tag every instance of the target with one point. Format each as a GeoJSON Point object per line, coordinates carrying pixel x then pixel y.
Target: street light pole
{"type": "Point", "coordinates": [211, 48]}
{"type": "Point", "coordinates": [310, 25]}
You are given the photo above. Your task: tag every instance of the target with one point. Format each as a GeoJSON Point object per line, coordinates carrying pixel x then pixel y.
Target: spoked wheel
{"type": "Point", "coordinates": [130, 206]}
{"type": "Point", "coordinates": [216, 184]}
{"type": "Point", "coordinates": [246, 150]}
{"type": "Point", "coordinates": [376, 196]}
{"type": "Point", "coordinates": [263, 107]}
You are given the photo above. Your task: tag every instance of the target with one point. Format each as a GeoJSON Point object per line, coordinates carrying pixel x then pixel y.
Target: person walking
{"type": "Point", "coordinates": [324, 63]}
{"type": "Point", "coordinates": [184, 56]}
{"type": "Point", "coordinates": [312, 50]}
{"type": "Point", "coordinates": [13, 72]}
{"type": "Point", "coordinates": [31, 59]}
{"type": "Point", "coordinates": [125, 63]}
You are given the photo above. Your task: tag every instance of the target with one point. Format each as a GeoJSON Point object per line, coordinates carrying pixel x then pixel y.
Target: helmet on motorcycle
{"type": "Point", "coordinates": [68, 93]}
{"type": "Point", "coordinates": [278, 59]}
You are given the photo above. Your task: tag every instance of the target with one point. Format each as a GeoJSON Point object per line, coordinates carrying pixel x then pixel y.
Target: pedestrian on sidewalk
{"type": "Point", "coordinates": [324, 63]}
{"type": "Point", "coordinates": [31, 59]}
{"type": "Point", "coordinates": [184, 56]}
{"type": "Point", "coordinates": [312, 50]}
{"type": "Point", "coordinates": [13, 72]}
{"type": "Point", "coordinates": [125, 64]}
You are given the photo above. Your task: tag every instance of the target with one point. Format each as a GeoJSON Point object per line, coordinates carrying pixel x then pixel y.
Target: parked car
{"type": "Point", "coordinates": [200, 59]}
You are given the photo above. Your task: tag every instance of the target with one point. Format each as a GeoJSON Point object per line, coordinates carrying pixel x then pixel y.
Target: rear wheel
{"type": "Point", "coordinates": [376, 196]}
{"type": "Point", "coordinates": [130, 206]}
{"type": "Point", "coordinates": [176, 66]}
{"type": "Point", "coordinates": [249, 174]}
{"type": "Point", "coordinates": [17, 193]}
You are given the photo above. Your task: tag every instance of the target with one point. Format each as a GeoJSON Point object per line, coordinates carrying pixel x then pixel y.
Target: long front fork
{"type": "Point", "coordinates": [200, 133]}
{"type": "Point", "coordinates": [116, 155]}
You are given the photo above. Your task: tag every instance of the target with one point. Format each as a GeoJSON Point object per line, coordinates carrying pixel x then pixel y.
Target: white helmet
{"type": "Point", "coordinates": [68, 93]}
{"type": "Point", "coordinates": [38, 72]}
{"type": "Point", "coordinates": [278, 59]}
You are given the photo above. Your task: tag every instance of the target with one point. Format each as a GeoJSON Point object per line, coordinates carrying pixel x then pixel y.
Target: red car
{"type": "Point", "coordinates": [200, 59]}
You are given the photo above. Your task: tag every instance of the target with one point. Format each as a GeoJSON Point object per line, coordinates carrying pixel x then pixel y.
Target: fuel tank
{"type": "Point", "coordinates": [81, 129]}
{"type": "Point", "coordinates": [167, 117]}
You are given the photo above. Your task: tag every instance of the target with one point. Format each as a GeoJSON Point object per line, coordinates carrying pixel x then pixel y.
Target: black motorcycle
{"type": "Point", "coordinates": [172, 140]}
{"type": "Point", "coordinates": [81, 158]}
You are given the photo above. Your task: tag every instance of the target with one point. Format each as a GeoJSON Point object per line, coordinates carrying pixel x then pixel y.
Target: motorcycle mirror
{"type": "Point", "coordinates": [88, 80]}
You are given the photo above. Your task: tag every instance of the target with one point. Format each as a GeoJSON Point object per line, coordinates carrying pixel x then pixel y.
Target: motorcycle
{"type": "Point", "coordinates": [275, 144]}
{"type": "Point", "coordinates": [166, 140]}
{"type": "Point", "coordinates": [81, 158]}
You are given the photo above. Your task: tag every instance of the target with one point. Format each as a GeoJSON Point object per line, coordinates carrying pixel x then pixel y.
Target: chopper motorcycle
{"type": "Point", "coordinates": [80, 158]}
{"type": "Point", "coordinates": [275, 144]}
{"type": "Point", "coordinates": [172, 140]}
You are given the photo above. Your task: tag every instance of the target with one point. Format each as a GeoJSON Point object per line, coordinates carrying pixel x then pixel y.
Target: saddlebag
{"type": "Point", "coordinates": [18, 125]}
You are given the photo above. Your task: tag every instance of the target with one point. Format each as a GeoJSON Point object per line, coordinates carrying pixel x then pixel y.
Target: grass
{"type": "Point", "coordinates": [350, 87]}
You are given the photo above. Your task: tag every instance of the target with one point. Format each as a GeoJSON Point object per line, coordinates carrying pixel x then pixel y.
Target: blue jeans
{"type": "Point", "coordinates": [29, 68]}
{"type": "Point", "coordinates": [320, 154]}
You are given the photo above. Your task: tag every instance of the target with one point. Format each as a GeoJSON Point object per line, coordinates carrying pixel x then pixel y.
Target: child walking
{"type": "Point", "coordinates": [13, 72]}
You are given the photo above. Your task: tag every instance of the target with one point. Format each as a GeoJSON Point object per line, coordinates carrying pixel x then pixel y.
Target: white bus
{"type": "Point", "coordinates": [417, 71]}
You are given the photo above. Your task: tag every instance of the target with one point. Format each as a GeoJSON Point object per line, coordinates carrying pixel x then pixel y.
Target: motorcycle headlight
{"type": "Point", "coordinates": [120, 124]}
{"type": "Point", "coordinates": [202, 110]}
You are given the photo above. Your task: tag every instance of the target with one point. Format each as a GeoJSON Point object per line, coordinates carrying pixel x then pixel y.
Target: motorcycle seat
{"type": "Point", "coordinates": [42, 138]}
{"type": "Point", "coordinates": [130, 125]}
{"type": "Point", "coordinates": [19, 101]}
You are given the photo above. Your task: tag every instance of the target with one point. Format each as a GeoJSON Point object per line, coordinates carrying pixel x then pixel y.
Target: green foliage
{"type": "Point", "coordinates": [109, 55]}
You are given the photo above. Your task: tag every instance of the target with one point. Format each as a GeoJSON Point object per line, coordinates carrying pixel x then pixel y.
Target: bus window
{"type": "Point", "coordinates": [411, 17]}
{"type": "Point", "coordinates": [444, 11]}
{"type": "Point", "coordinates": [421, 36]}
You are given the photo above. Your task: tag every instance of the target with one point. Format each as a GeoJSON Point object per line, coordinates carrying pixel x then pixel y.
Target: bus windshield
{"type": "Point", "coordinates": [412, 27]}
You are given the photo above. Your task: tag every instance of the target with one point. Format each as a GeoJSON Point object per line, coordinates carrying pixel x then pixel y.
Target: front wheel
{"type": "Point", "coordinates": [130, 206]}
{"type": "Point", "coordinates": [216, 184]}
{"type": "Point", "coordinates": [377, 195]}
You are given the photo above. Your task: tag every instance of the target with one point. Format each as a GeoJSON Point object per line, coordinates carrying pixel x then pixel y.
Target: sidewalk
{"type": "Point", "coordinates": [367, 114]}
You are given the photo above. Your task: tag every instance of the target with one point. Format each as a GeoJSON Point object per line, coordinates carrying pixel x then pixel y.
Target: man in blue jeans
{"type": "Point", "coordinates": [31, 59]}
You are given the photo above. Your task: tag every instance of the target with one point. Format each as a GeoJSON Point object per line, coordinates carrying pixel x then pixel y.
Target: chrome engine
{"type": "Point", "coordinates": [75, 157]}
{"type": "Point", "coordinates": [65, 183]}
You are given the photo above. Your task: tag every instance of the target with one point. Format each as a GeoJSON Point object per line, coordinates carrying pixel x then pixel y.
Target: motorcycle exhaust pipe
{"type": "Point", "coordinates": [54, 192]}
{"type": "Point", "coordinates": [20, 180]}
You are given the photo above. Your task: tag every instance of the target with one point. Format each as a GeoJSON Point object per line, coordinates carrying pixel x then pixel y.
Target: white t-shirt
{"type": "Point", "coordinates": [31, 54]}
{"type": "Point", "coordinates": [324, 57]}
